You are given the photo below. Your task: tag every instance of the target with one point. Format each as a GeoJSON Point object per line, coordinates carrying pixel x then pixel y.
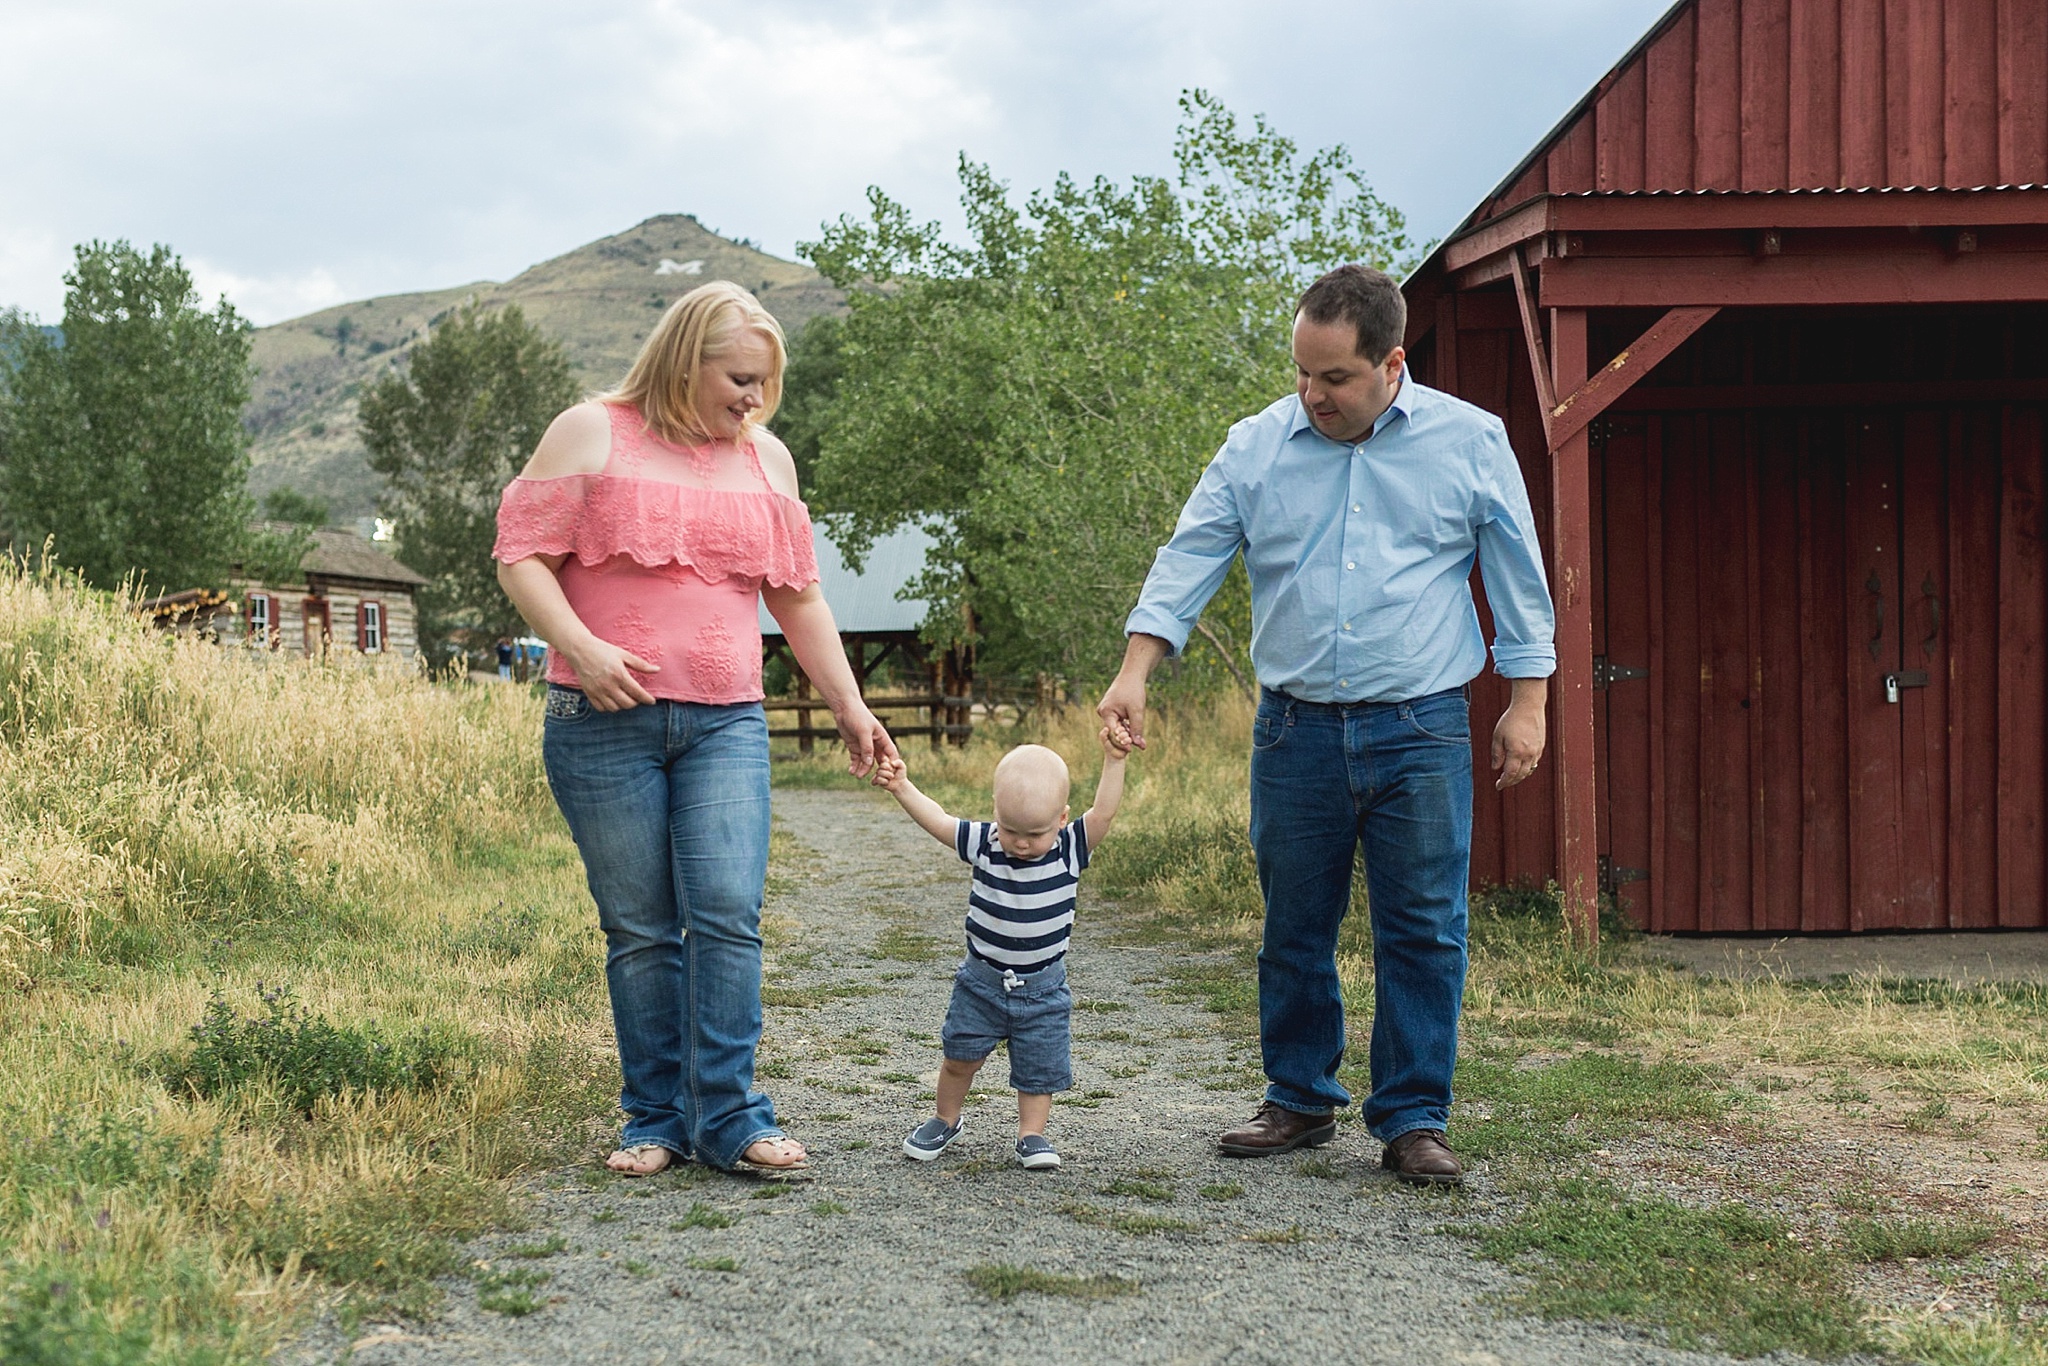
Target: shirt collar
{"type": "Point", "coordinates": [1403, 404]}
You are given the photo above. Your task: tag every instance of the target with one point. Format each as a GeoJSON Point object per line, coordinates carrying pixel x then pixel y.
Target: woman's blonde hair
{"type": "Point", "coordinates": [700, 326]}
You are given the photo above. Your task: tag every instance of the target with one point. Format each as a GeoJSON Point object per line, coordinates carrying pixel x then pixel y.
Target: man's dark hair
{"type": "Point", "coordinates": [1368, 299]}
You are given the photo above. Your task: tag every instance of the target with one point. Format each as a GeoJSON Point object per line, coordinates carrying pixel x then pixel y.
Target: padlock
{"type": "Point", "coordinates": [1891, 688]}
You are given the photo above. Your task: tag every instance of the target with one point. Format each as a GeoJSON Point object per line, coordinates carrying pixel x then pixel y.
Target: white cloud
{"type": "Point", "coordinates": [269, 298]}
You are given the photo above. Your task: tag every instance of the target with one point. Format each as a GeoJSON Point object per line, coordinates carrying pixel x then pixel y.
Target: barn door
{"type": "Point", "coordinates": [1895, 676]}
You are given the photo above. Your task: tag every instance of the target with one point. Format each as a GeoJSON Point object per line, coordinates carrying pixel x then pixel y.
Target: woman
{"type": "Point", "coordinates": [637, 542]}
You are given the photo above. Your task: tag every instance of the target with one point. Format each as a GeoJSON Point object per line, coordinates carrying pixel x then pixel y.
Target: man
{"type": "Point", "coordinates": [1359, 505]}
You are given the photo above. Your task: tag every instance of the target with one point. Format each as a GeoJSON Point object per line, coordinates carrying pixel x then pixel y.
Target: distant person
{"type": "Point", "coordinates": [638, 541]}
{"type": "Point", "coordinates": [505, 658]}
{"type": "Point", "coordinates": [1012, 985]}
{"type": "Point", "coordinates": [1359, 504]}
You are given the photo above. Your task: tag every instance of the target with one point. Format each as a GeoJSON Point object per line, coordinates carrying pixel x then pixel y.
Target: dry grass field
{"type": "Point", "coordinates": [299, 969]}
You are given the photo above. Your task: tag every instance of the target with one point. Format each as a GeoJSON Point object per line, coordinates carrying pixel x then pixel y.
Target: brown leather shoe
{"type": "Point", "coordinates": [1277, 1129]}
{"type": "Point", "coordinates": [1422, 1158]}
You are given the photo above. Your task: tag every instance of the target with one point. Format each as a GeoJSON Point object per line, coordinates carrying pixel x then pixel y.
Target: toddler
{"type": "Point", "coordinates": [1013, 983]}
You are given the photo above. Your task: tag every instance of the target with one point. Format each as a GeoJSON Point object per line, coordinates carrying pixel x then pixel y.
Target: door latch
{"type": "Point", "coordinates": [1894, 683]}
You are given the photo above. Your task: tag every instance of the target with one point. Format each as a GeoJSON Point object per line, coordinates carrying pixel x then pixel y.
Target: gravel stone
{"type": "Point", "coordinates": [1320, 1253]}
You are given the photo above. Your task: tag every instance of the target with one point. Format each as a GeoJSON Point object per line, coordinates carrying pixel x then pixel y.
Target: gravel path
{"type": "Point", "coordinates": [1273, 1260]}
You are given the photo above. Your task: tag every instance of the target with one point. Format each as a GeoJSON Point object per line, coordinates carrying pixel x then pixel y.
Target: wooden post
{"type": "Point", "coordinates": [1570, 753]}
{"type": "Point", "coordinates": [803, 716]}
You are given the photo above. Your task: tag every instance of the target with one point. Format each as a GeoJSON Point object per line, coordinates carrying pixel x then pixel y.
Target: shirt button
{"type": "Point", "coordinates": [1343, 682]}
{"type": "Point", "coordinates": [1347, 625]}
{"type": "Point", "coordinates": [1356, 508]}
{"type": "Point", "coordinates": [1351, 564]}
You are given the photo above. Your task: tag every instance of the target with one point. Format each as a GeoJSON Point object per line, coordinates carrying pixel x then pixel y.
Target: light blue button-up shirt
{"type": "Point", "coordinates": [1361, 555]}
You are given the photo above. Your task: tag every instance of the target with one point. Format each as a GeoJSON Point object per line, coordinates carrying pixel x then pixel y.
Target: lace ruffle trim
{"type": "Point", "coordinates": [720, 534]}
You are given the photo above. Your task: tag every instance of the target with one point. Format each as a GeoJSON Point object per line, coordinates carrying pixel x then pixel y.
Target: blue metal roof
{"type": "Point", "coordinates": [867, 601]}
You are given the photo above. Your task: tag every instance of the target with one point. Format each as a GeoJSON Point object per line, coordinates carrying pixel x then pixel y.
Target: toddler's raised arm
{"type": "Point", "coordinates": [1109, 789]}
{"type": "Point", "coordinates": [890, 773]}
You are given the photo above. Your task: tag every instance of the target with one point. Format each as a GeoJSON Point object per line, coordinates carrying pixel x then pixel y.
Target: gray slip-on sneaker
{"type": "Point", "coordinates": [931, 1138]}
{"type": "Point", "coordinates": [1036, 1154]}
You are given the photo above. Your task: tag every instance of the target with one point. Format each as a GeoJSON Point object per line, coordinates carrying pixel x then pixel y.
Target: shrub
{"type": "Point", "coordinates": [300, 1054]}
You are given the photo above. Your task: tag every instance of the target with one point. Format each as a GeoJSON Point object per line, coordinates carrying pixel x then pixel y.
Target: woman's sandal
{"type": "Point", "coordinates": [637, 1160]}
{"type": "Point", "coordinates": [774, 1171]}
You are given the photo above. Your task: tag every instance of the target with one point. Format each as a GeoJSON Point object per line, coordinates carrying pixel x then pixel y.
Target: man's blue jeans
{"type": "Point", "coordinates": [1396, 778]}
{"type": "Point", "coordinates": [669, 807]}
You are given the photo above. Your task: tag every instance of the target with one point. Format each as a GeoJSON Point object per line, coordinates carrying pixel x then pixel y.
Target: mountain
{"type": "Point", "coordinates": [599, 301]}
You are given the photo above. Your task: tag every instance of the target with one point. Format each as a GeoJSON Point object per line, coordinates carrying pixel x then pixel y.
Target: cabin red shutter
{"type": "Point", "coordinates": [362, 626]}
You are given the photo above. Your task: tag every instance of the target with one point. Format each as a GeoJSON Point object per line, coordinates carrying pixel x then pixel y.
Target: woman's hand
{"type": "Point", "coordinates": [607, 674]}
{"type": "Point", "coordinates": [867, 740]}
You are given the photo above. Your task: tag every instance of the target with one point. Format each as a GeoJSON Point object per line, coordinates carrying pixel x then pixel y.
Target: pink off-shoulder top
{"type": "Point", "coordinates": [668, 547]}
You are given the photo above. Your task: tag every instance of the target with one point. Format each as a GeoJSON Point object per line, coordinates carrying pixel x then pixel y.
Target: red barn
{"type": "Point", "coordinates": [1767, 318]}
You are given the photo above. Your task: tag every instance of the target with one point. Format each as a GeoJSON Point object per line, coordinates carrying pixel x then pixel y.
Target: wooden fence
{"type": "Point", "coordinates": [949, 718]}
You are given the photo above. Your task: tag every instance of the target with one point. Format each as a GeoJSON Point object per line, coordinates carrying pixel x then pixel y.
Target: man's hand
{"type": "Point", "coordinates": [1123, 706]}
{"type": "Point", "coordinates": [1518, 736]}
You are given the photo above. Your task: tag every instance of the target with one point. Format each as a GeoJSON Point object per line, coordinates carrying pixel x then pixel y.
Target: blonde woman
{"type": "Point", "coordinates": [637, 542]}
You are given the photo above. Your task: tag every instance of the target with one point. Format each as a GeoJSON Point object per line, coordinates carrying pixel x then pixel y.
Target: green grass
{"type": "Point", "coordinates": [510, 1293]}
{"type": "Point", "coordinates": [1144, 1190]}
{"type": "Point", "coordinates": [1226, 1190]}
{"type": "Point", "coordinates": [1724, 1277]}
{"type": "Point", "coordinates": [998, 1281]}
{"type": "Point", "coordinates": [1893, 1240]}
{"type": "Point", "coordinates": [825, 1209]}
{"type": "Point", "coordinates": [546, 1248]}
{"type": "Point", "coordinates": [728, 1265]}
{"type": "Point", "coordinates": [1126, 1221]}
{"type": "Point", "coordinates": [703, 1216]}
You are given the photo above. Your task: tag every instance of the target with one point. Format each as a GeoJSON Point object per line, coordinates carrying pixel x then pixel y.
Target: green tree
{"type": "Point", "coordinates": [298, 509]}
{"type": "Point", "coordinates": [122, 437]}
{"type": "Point", "coordinates": [1043, 396]}
{"type": "Point", "coordinates": [448, 434]}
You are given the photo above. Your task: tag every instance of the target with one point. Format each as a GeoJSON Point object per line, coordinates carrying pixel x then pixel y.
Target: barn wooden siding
{"type": "Point", "coordinates": [1811, 94]}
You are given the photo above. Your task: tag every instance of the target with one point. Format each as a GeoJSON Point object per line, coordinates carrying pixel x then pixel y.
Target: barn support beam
{"type": "Point", "coordinates": [1571, 725]}
{"type": "Point", "coordinates": [1573, 413]}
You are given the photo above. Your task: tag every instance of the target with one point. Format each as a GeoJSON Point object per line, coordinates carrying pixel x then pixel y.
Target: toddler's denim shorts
{"type": "Point", "coordinates": [1035, 1016]}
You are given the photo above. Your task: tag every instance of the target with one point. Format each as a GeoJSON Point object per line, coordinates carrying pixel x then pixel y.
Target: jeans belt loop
{"type": "Point", "coordinates": [1011, 981]}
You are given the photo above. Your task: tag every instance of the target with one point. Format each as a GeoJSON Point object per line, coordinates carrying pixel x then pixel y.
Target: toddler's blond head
{"type": "Point", "coordinates": [1031, 788]}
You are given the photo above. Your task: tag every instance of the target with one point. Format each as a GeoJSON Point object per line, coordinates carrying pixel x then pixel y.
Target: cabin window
{"type": "Point", "coordinates": [261, 618]}
{"type": "Point", "coordinates": [370, 627]}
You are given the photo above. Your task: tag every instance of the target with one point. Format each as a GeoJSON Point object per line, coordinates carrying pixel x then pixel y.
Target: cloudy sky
{"type": "Point", "coordinates": [303, 154]}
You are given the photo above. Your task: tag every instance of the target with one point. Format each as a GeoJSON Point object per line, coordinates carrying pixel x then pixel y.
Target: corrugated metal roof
{"type": "Point", "coordinates": [868, 601]}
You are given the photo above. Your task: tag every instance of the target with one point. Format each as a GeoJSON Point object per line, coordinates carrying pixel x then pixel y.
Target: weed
{"type": "Point", "coordinates": [900, 1078]}
{"type": "Point", "coordinates": [1291, 1234]}
{"type": "Point", "coordinates": [555, 1244]}
{"type": "Point", "coordinates": [1321, 1167]}
{"type": "Point", "coordinates": [604, 1216]}
{"type": "Point", "coordinates": [1144, 1190]}
{"type": "Point", "coordinates": [769, 1193]}
{"type": "Point", "coordinates": [1892, 1240]}
{"type": "Point", "coordinates": [907, 945]}
{"type": "Point", "coordinates": [634, 1266]}
{"type": "Point", "coordinates": [835, 1117]}
{"type": "Point", "coordinates": [725, 1264]}
{"type": "Point", "coordinates": [805, 998]}
{"type": "Point", "coordinates": [510, 1292]}
{"type": "Point", "coordinates": [1002, 1282]}
{"type": "Point", "coordinates": [826, 1208]}
{"type": "Point", "coordinates": [1101, 1007]}
{"type": "Point", "coordinates": [703, 1216]}
{"type": "Point", "coordinates": [1226, 1190]}
{"type": "Point", "coordinates": [1126, 1221]}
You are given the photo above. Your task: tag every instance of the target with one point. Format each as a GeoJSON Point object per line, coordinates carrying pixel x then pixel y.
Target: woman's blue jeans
{"type": "Point", "coordinates": [1396, 779]}
{"type": "Point", "coordinates": [669, 807]}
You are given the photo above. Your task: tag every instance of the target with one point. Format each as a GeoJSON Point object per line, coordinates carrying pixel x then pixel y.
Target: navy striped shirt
{"type": "Point", "coordinates": [1020, 915]}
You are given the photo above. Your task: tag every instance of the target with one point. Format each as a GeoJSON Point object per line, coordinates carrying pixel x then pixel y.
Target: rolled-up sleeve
{"type": "Point", "coordinates": [1189, 569]}
{"type": "Point", "coordinates": [1511, 562]}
